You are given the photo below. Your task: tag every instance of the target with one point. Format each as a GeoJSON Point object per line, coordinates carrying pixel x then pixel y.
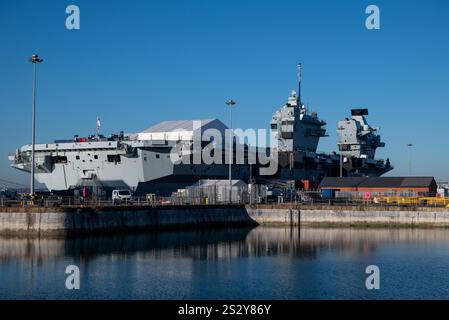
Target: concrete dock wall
{"type": "Point", "coordinates": [355, 216]}
{"type": "Point", "coordinates": [58, 221]}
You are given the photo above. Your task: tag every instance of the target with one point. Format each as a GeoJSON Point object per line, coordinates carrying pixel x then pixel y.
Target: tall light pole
{"type": "Point", "coordinates": [339, 148]}
{"type": "Point", "coordinates": [230, 104]}
{"type": "Point", "coordinates": [34, 60]}
{"type": "Point", "coordinates": [409, 145]}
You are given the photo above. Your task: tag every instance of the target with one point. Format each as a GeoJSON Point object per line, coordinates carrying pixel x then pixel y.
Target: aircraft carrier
{"type": "Point", "coordinates": [142, 161]}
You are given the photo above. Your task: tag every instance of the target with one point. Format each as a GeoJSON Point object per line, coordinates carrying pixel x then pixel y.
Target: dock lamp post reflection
{"type": "Point", "coordinates": [230, 104]}
{"type": "Point", "coordinates": [34, 60]}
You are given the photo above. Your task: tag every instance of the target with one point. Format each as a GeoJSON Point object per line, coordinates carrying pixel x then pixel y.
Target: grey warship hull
{"type": "Point", "coordinates": [148, 169]}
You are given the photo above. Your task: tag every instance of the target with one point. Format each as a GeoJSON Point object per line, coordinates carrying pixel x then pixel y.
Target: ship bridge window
{"type": "Point", "coordinates": [274, 126]}
{"type": "Point", "coordinates": [158, 156]}
{"type": "Point", "coordinates": [59, 159]}
{"type": "Point", "coordinates": [77, 157]}
{"type": "Point", "coordinates": [114, 158]}
{"type": "Point", "coordinates": [95, 157]}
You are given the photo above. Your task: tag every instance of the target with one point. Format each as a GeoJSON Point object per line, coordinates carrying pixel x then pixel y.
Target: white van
{"type": "Point", "coordinates": [121, 196]}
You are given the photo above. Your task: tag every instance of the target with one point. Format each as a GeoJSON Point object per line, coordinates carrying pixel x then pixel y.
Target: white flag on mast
{"type": "Point", "coordinates": [98, 125]}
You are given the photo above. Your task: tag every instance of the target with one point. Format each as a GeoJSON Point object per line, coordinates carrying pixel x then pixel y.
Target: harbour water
{"type": "Point", "coordinates": [257, 263]}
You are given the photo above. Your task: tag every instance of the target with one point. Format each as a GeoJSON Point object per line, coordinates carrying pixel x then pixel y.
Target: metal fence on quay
{"type": "Point", "coordinates": [213, 195]}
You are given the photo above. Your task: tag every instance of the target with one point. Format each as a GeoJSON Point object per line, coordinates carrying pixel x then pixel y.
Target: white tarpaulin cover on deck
{"type": "Point", "coordinates": [180, 129]}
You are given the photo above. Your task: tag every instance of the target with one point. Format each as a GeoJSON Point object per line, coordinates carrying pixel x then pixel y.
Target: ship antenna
{"type": "Point", "coordinates": [299, 85]}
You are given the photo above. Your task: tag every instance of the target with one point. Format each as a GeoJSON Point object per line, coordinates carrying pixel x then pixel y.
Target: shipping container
{"type": "Point", "coordinates": [328, 193]}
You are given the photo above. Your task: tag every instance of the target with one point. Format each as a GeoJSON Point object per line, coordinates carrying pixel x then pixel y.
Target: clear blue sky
{"type": "Point", "coordinates": [140, 62]}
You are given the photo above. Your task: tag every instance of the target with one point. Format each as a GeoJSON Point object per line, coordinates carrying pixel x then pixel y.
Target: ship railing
{"type": "Point", "coordinates": [326, 154]}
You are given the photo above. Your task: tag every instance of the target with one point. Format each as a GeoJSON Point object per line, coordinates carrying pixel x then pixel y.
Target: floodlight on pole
{"type": "Point", "coordinates": [340, 129]}
{"type": "Point", "coordinates": [409, 145]}
{"type": "Point", "coordinates": [34, 60]}
{"type": "Point", "coordinates": [230, 103]}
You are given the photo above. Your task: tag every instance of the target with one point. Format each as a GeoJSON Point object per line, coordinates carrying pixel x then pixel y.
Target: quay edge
{"type": "Point", "coordinates": [39, 221]}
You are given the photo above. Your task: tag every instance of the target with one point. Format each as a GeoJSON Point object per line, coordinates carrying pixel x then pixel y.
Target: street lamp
{"type": "Point", "coordinates": [340, 149]}
{"type": "Point", "coordinates": [230, 104]}
{"type": "Point", "coordinates": [34, 60]}
{"type": "Point", "coordinates": [409, 158]}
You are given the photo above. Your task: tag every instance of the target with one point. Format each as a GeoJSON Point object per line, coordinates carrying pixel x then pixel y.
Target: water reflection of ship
{"type": "Point", "coordinates": [219, 244]}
